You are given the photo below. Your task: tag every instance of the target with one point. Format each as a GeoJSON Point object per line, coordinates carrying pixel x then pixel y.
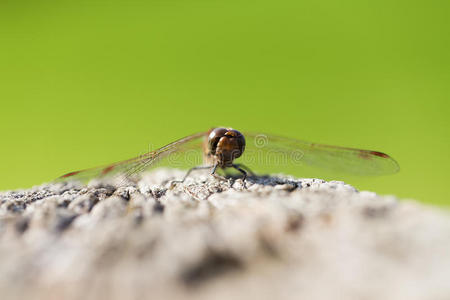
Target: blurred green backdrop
{"type": "Point", "coordinates": [84, 83]}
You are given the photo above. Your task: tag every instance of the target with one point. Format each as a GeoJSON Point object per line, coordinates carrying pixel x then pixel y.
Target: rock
{"type": "Point", "coordinates": [281, 238]}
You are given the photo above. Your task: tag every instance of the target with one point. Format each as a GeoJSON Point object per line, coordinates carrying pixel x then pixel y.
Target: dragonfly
{"type": "Point", "coordinates": [220, 147]}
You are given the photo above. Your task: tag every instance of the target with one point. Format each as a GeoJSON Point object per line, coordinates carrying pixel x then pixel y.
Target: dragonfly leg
{"type": "Point", "coordinates": [213, 173]}
{"type": "Point", "coordinates": [244, 173]}
{"type": "Point", "coordinates": [172, 183]}
{"type": "Point", "coordinates": [245, 168]}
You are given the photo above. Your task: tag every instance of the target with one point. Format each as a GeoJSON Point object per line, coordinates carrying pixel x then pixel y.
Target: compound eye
{"type": "Point", "coordinates": [240, 138]}
{"type": "Point", "coordinates": [214, 138]}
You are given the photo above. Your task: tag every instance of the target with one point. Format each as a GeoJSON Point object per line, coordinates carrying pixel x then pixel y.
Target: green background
{"type": "Point", "coordinates": [84, 83]}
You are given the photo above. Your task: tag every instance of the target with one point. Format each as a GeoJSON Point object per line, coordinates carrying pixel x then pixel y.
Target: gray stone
{"type": "Point", "coordinates": [281, 238]}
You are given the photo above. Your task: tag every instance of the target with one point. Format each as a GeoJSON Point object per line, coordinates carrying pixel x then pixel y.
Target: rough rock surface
{"type": "Point", "coordinates": [282, 238]}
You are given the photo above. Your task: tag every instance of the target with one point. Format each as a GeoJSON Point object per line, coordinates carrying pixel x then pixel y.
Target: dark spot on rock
{"type": "Point", "coordinates": [68, 190]}
{"type": "Point", "coordinates": [211, 266]}
{"type": "Point", "coordinates": [326, 218]}
{"type": "Point", "coordinates": [268, 245]}
{"type": "Point", "coordinates": [22, 225]}
{"type": "Point", "coordinates": [125, 194]}
{"type": "Point", "coordinates": [279, 181]}
{"type": "Point", "coordinates": [64, 203]}
{"type": "Point", "coordinates": [375, 212]}
{"type": "Point", "coordinates": [158, 193]}
{"type": "Point", "coordinates": [36, 197]}
{"type": "Point", "coordinates": [138, 219]}
{"type": "Point", "coordinates": [63, 222]}
{"type": "Point", "coordinates": [17, 195]}
{"type": "Point", "coordinates": [294, 222]}
{"type": "Point", "coordinates": [104, 191]}
{"type": "Point", "coordinates": [92, 202]}
{"type": "Point", "coordinates": [290, 186]}
{"type": "Point", "coordinates": [158, 207]}
{"type": "Point", "coordinates": [16, 207]}
{"type": "Point", "coordinates": [84, 203]}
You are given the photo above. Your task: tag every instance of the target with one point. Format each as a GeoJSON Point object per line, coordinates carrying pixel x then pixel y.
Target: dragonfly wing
{"type": "Point", "coordinates": [273, 150]}
{"type": "Point", "coordinates": [140, 163]}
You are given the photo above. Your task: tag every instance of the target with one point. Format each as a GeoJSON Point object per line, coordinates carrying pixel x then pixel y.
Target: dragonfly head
{"type": "Point", "coordinates": [225, 144]}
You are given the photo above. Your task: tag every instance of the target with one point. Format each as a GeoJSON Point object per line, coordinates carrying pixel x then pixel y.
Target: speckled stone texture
{"type": "Point", "coordinates": [282, 238]}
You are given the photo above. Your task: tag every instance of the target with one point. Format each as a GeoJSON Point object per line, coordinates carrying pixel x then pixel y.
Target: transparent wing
{"type": "Point", "coordinates": [182, 152]}
{"type": "Point", "coordinates": [286, 154]}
